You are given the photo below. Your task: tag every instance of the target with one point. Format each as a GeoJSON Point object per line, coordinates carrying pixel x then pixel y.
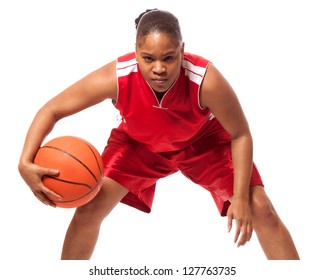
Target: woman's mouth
{"type": "Point", "coordinates": [159, 81]}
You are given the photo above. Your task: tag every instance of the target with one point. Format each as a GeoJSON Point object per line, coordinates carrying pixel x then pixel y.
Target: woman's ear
{"type": "Point", "coordinates": [182, 49]}
{"type": "Point", "coordinates": [135, 50]}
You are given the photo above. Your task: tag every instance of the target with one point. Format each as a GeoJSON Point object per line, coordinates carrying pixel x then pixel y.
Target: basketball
{"type": "Point", "coordinates": [81, 170]}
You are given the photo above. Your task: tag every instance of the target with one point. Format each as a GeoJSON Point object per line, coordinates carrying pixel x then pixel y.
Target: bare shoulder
{"type": "Point", "coordinates": [218, 96]}
{"type": "Point", "coordinates": [214, 87]}
{"type": "Point", "coordinates": [103, 81]}
{"type": "Point", "coordinates": [92, 89]}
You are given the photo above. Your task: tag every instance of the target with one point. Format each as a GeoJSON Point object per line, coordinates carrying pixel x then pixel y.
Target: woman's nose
{"type": "Point", "coordinates": [159, 67]}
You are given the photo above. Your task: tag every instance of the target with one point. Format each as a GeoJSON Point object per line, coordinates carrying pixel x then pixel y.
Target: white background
{"type": "Point", "coordinates": [271, 52]}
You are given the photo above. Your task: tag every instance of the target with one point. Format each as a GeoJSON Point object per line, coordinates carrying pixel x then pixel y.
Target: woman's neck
{"type": "Point", "coordinates": [159, 95]}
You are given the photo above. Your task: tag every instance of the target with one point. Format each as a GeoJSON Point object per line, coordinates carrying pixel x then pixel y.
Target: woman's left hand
{"type": "Point", "coordinates": [240, 212]}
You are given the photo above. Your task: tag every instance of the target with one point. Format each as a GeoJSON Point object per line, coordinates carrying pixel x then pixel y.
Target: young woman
{"type": "Point", "coordinates": [178, 114]}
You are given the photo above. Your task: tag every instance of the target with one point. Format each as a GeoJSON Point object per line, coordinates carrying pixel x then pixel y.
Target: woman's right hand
{"type": "Point", "coordinates": [32, 175]}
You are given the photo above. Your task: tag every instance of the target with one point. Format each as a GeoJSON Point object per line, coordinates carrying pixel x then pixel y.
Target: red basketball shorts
{"type": "Point", "coordinates": [207, 162]}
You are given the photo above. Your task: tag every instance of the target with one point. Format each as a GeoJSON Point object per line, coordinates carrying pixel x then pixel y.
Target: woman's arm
{"type": "Point", "coordinates": [92, 89]}
{"type": "Point", "coordinates": [220, 98]}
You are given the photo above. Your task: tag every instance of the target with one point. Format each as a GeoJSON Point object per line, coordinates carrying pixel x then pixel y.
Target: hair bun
{"type": "Point", "coordinates": [137, 20]}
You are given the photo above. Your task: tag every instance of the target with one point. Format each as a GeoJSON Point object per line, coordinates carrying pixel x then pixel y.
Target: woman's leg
{"type": "Point", "coordinates": [82, 234]}
{"type": "Point", "coordinates": [272, 234]}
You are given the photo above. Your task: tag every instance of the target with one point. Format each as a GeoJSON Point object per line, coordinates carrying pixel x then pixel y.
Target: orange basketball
{"type": "Point", "coordinates": [80, 166]}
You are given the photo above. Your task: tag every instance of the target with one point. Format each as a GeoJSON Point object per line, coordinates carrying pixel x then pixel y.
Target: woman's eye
{"type": "Point", "coordinates": [148, 59]}
{"type": "Point", "coordinates": [169, 58]}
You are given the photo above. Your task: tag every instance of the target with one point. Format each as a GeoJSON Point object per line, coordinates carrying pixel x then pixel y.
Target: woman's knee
{"type": "Point", "coordinates": [262, 209]}
{"type": "Point", "coordinates": [97, 209]}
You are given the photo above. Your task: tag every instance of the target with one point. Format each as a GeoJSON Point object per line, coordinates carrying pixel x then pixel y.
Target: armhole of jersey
{"type": "Point", "coordinates": [117, 84]}
{"type": "Point", "coordinates": [122, 69]}
{"type": "Point", "coordinates": [199, 89]}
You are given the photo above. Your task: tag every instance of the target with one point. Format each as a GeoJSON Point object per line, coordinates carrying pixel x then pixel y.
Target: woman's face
{"type": "Point", "coordinates": [159, 57]}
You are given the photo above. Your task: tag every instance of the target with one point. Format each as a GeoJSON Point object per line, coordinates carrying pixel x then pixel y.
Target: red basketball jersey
{"type": "Point", "coordinates": [171, 124]}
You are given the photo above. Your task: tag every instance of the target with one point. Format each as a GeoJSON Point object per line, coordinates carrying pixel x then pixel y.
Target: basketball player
{"type": "Point", "coordinates": [178, 114]}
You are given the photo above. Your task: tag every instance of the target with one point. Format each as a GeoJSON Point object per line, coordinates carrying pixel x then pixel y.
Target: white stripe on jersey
{"type": "Point", "coordinates": [126, 67]}
{"type": "Point", "coordinates": [195, 73]}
